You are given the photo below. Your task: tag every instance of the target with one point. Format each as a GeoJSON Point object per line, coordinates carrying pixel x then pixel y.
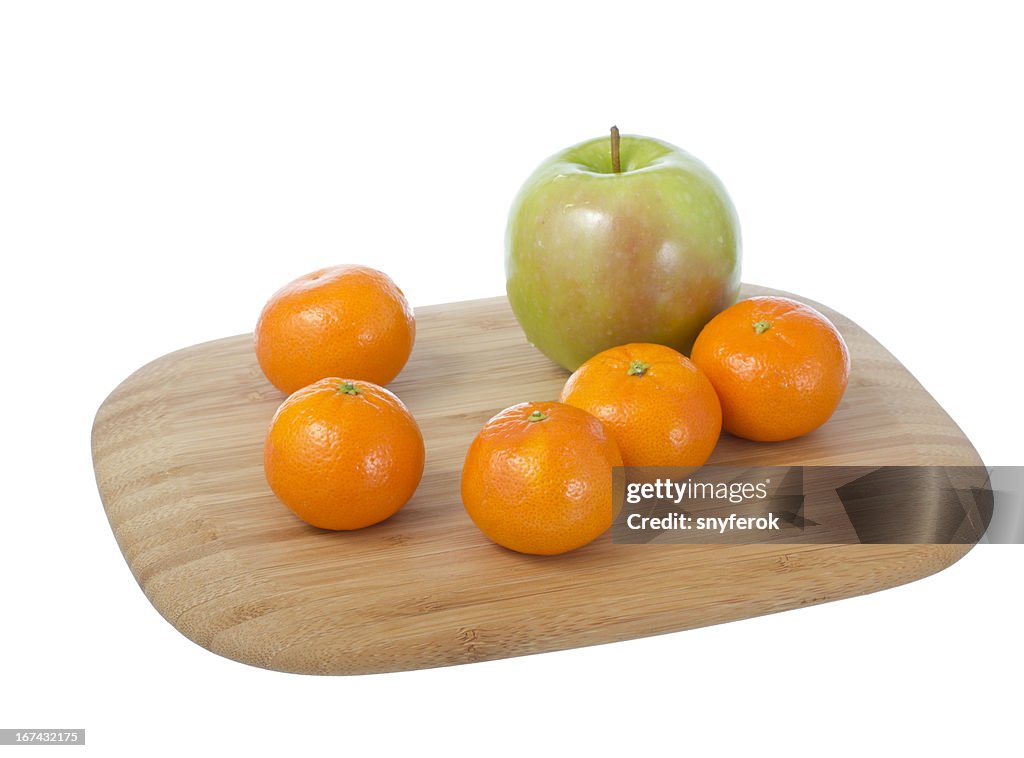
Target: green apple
{"type": "Point", "coordinates": [615, 241]}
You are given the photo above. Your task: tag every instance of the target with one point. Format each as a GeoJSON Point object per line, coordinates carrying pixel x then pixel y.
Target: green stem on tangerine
{"type": "Point", "coordinates": [348, 388]}
{"type": "Point", "coordinates": [616, 165]}
{"type": "Point", "coordinates": [536, 416]}
{"type": "Point", "coordinates": [638, 368]}
{"type": "Point", "coordinates": [762, 326]}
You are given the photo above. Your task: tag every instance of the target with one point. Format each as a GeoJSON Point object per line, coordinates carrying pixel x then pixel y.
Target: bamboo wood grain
{"type": "Point", "coordinates": [177, 449]}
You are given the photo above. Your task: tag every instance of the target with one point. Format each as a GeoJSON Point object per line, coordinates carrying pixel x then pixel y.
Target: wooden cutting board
{"type": "Point", "coordinates": [177, 449]}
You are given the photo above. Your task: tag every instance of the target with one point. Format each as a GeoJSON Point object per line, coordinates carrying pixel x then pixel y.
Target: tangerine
{"type": "Point", "coordinates": [779, 367]}
{"type": "Point", "coordinates": [538, 478]}
{"type": "Point", "coordinates": [343, 454]}
{"type": "Point", "coordinates": [344, 320]}
{"type": "Point", "coordinates": [661, 408]}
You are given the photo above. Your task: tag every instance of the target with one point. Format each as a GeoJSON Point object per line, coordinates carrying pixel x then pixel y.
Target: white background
{"type": "Point", "coordinates": [165, 167]}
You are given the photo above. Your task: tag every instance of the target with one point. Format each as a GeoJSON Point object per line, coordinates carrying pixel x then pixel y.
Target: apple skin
{"type": "Point", "coordinates": [595, 259]}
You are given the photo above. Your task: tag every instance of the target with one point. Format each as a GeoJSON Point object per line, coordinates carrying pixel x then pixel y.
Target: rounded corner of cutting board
{"type": "Point", "coordinates": [276, 651]}
{"type": "Point", "coordinates": [948, 556]}
{"type": "Point", "coordinates": [177, 453]}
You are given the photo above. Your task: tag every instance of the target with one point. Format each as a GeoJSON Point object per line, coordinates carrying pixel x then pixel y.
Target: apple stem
{"type": "Point", "coordinates": [616, 166]}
